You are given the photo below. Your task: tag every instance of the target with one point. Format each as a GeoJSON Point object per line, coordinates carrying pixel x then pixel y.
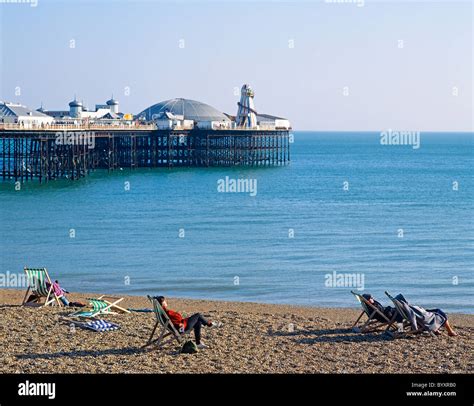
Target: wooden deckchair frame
{"type": "Point", "coordinates": [111, 304]}
{"type": "Point", "coordinates": [167, 327]}
{"type": "Point", "coordinates": [405, 323]}
{"type": "Point", "coordinates": [51, 297]}
{"type": "Point", "coordinates": [372, 324]}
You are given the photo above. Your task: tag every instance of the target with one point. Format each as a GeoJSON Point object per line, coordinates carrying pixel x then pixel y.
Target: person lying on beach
{"type": "Point", "coordinates": [432, 319]}
{"type": "Point", "coordinates": [186, 324]}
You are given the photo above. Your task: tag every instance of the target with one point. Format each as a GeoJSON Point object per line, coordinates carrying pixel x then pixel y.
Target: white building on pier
{"type": "Point", "coordinates": [15, 113]}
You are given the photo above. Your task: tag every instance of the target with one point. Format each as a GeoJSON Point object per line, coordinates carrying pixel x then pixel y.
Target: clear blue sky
{"type": "Point", "coordinates": [136, 44]}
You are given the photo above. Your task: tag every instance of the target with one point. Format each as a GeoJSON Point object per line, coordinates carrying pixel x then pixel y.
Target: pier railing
{"type": "Point", "coordinates": [77, 127]}
{"type": "Point", "coordinates": [122, 126]}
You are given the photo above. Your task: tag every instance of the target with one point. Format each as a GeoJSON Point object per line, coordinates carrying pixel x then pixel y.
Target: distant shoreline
{"type": "Point", "coordinates": [134, 297]}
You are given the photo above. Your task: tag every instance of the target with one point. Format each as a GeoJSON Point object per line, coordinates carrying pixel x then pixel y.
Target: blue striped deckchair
{"type": "Point", "coordinates": [100, 306]}
{"type": "Point", "coordinates": [40, 285]}
{"type": "Point", "coordinates": [167, 328]}
{"type": "Point", "coordinates": [406, 327]}
{"type": "Point", "coordinates": [96, 325]}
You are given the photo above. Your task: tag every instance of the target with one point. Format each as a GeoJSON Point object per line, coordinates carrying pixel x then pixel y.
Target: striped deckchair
{"type": "Point", "coordinates": [372, 324]}
{"type": "Point", "coordinates": [405, 328]}
{"type": "Point", "coordinates": [167, 328]}
{"type": "Point", "coordinates": [101, 305]}
{"type": "Point", "coordinates": [95, 325]}
{"type": "Point", "coordinates": [40, 285]}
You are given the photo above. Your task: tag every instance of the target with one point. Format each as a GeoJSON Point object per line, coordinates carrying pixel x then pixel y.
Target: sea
{"type": "Point", "coordinates": [349, 213]}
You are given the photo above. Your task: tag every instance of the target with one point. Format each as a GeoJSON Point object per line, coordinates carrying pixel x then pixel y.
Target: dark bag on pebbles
{"type": "Point", "coordinates": [189, 347]}
{"type": "Point", "coordinates": [76, 304]}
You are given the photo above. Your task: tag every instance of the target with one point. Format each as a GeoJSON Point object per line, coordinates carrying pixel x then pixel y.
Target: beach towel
{"type": "Point", "coordinates": [99, 325]}
{"type": "Point", "coordinates": [429, 319]}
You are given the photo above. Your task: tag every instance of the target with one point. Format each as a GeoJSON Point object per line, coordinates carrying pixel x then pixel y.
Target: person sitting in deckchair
{"type": "Point", "coordinates": [186, 324]}
{"type": "Point", "coordinates": [432, 319]}
{"type": "Point", "coordinates": [33, 298]}
{"type": "Point", "coordinates": [388, 311]}
{"type": "Point", "coordinates": [446, 324]}
{"type": "Point", "coordinates": [59, 291]}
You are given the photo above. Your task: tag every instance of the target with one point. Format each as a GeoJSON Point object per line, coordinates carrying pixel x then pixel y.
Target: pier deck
{"type": "Point", "coordinates": [71, 152]}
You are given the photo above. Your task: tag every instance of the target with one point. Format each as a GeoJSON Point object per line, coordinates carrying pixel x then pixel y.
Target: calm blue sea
{"type": "Point", "coordinates": [238, 247]}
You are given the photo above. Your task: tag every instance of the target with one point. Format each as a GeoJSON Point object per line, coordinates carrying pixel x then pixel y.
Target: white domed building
{"type": "Point", "coordinates": [181, 114]}
{"type": "Point", "coordinates": [185, 114]}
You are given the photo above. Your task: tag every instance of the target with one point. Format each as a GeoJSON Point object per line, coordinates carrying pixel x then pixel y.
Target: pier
{"type": "Point", "coordinates": [57, 151]}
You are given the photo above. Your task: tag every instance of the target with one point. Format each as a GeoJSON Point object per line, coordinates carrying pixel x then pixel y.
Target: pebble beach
{"type": "Point", "coordinates": [253, 338]}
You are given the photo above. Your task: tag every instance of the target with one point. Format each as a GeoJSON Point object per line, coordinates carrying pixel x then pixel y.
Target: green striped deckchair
{"type": "Point", "coordinates": [368, 309]}
{"type": "Point", "coordinates": [101, 305]}
{"type": "Point", "coordinates": [167, 327]}
{"type": "Point", "coordinates": [39, 284]}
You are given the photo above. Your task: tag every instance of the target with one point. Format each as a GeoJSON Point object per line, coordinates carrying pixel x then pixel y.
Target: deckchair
{"type": "Point", "coordinates": [101, 305]}
{"type": "Point", "coordinates": [167, 328]}
{"type": "Point", "coordinates": [372, 324]}
{"type": "Point", "coordinates": [95, 325]}
{"type": "Point", "coordinates": [406, 328]}
{"type": "Point", "coordinates": [40, 284]}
